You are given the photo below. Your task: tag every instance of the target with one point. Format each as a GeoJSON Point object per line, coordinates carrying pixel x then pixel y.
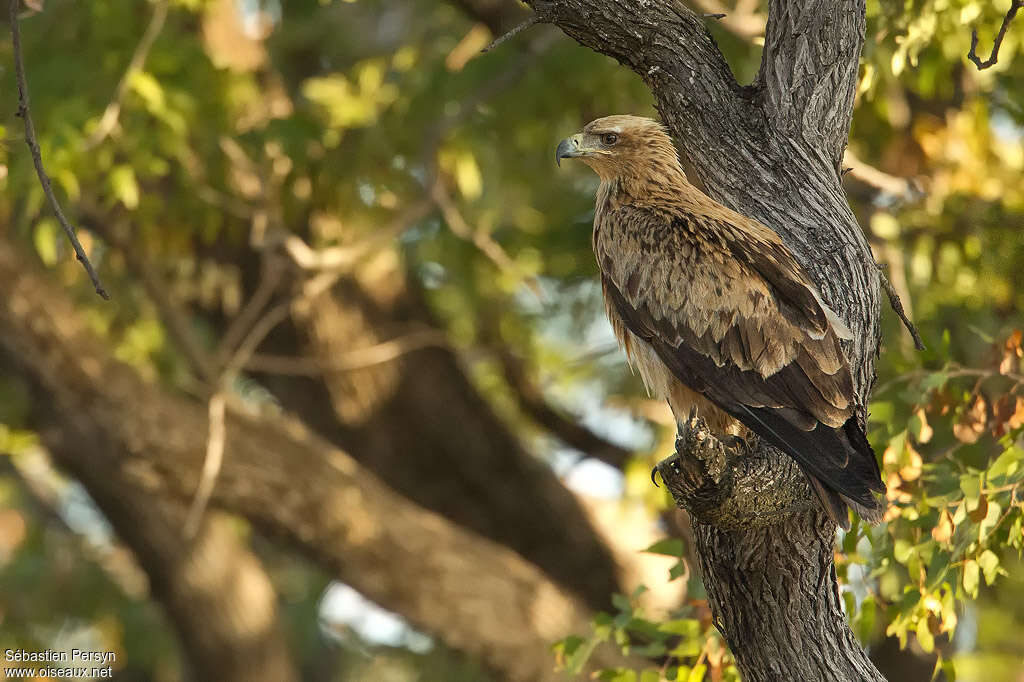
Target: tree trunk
{"type": "Point", "coordinates": [771, 151]}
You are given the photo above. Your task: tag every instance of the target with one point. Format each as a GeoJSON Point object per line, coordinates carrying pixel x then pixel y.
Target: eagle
{"type": "Point", "coordinates": [718, 316]}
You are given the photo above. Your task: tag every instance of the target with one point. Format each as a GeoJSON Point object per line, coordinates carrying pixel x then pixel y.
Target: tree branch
{"type": "Point", "coordinates": [663, 41]}
{"type": "Point", "coordinates": [37, 159]}
{"type": "Point", "coordinates": [897, 307]}
{"type": "Point", "coordinates": [906, 189]}
{"type": "Point", "coordinates": [809, 70]}
{"type": "Point", "coordinates": [568, 429]}
{"type": "Point", "coordinates": [359, 358]}
{"type": "Point", "coordinates": [217, 596]}
{"type": "Point", "coordinates": [532, 21]}
{"type": "Point", "coordinates": [993, 57]}
{"type": "Point", "coordinates": [215, 438]}
{"type": "Point", "coordinates": [287, 481]}
{"type": "Point", "coordinates": [766, 555]}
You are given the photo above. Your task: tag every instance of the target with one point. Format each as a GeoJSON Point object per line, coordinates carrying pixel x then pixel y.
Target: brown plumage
{"type": "Point", "coordinates": [715, 312]}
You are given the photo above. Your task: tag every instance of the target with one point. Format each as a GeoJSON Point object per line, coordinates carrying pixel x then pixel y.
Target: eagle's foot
{"type": "Point", "coordinates": [699, 475]}
{"type": "Point", "coordinates": [714, 451]}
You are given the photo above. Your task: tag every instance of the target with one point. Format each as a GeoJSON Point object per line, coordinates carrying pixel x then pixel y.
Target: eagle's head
{"type": "Point", "coordinates": [618, 146]}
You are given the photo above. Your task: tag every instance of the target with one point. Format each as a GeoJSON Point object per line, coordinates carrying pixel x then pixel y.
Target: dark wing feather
{"type": "Point", "coordinates": [740, 323]}
{"type": "Point", "coordinates": [840, 458]}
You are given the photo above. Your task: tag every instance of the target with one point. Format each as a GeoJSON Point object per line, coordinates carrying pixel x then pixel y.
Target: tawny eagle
{"type": "Point", "coordinates": [716, 313]}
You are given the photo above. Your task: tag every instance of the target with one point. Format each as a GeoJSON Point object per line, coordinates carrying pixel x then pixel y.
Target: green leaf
{"type": "Point", "coordinates": [45, 240]}
{"type": "Point", "coordinates": [937, 568]}
{"type": "Point", "coordinates": [971, 577]}
{"type": "Point", "coordinates": [124, 186]}
{"type": "Point", "coordinates": [970, 484]}
{"type": "Point", "coordinates": [902, 550]}
{"type": "Point", "coordinates": [685, 627]}
{"type": "Point", "coordinates": [644, 627]}
{"type": "Point", "coordinates": [989, 563]}
{"type": "Point", "coordinates": [620, 602]}
{"type": "Point", "coordinates": [924, 635]}
{"type": "Point", "coordinates": [669, 547]}
{"type": "Point", "coordinates": [935, 380]}
{"type": "Point", "coordinates": [1006, 466]}
{"type": "Point", "coordinates": [866, 619]}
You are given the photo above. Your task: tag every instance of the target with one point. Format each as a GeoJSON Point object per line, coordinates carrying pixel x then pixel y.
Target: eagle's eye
{"type": "Point", "coordinates": [608, 139]}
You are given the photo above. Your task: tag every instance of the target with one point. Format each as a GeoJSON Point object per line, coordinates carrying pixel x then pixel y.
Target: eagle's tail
{"type": "Point", "coordinates": [840, 463]}
{"type": "Point", "coordinates": [855, 485]}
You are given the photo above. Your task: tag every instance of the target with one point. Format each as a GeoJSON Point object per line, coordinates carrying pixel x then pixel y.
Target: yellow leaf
{"type": "Point", "coordinates": [943, 531]}
{"type": "Point", "coordinates": [972, 575]}
{"type": "Point", "coordinates": [926, 432]}
{"type": "Point", "coordinates": [467, 176]}
{"type": "Point", "coordinates": [468, 47]}
{"type": "Point", "coordinates": [45, 239]}
{"type": "Point", "coordinates": [885, 225]}
{"type": "Point", "coordinates": [124, 186]}
{"type": "Point", "coordinates": [898, 62]}
{"type": "Point", "coordinates": [149, 90]}
{"type": "Point", "coordinates": [912, 463]}
{"type": "Point", "coordinates": [971, 423]}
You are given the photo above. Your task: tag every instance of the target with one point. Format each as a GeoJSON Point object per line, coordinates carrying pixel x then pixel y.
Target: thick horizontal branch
{"type": "Point", "coordinates": [286, 481]}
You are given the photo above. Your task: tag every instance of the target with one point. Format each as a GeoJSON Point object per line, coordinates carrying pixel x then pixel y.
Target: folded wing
{"type": "Point", "coordinates": [735, 318]}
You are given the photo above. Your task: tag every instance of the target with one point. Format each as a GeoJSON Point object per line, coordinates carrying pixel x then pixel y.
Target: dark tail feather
{"type": "Point", "coordinates": [835, 505]}
{"type": "Point", "coordinates": [851, 479]}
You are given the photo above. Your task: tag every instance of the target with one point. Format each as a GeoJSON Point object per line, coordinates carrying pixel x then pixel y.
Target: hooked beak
{"type": "Point", "coordinates": [569, 148]}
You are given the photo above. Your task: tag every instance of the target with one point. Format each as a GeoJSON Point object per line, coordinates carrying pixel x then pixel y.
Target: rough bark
{"type": "Point", "coordinates": [110, 425]}
{"type": "Point", "coordinates": [771, 151]}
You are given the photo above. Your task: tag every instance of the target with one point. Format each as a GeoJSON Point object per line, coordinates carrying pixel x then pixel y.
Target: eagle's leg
{"type": "Point", "coordinates": [721, 478]}
{"type": "Point", "coordinates": [698, 475]}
